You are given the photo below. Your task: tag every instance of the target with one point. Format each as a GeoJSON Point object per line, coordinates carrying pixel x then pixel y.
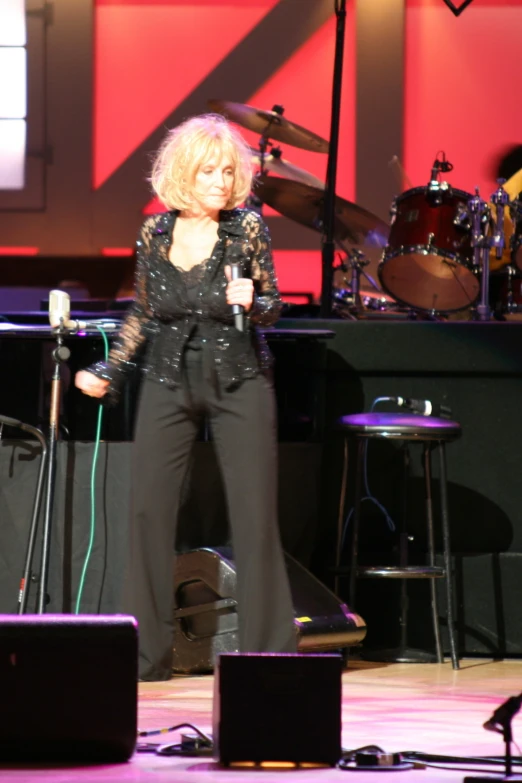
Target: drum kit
{"type": "Point", "coordinates": [440, 250]}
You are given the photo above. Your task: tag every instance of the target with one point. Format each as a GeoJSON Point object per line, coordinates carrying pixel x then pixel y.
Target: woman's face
{"type": "Point", "coordinates": [213, 183]}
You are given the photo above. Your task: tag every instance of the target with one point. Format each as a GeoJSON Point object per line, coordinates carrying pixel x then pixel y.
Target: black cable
{"type": "Point", "coordinates": [412, 759]}
{"type": "Point", "coordinates": [155, 732]}
{"type": "Point", "coordinates": [440, 758]}
{"type": "Point", "coordinates": [199, 745]}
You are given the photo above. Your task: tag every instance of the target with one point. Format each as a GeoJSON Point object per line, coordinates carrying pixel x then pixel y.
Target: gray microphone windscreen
{"type": "Point", "coordinates": [59, 307]}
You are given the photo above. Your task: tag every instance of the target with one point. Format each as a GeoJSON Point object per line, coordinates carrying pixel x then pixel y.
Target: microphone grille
{"type": "Point", "coordinates": [59, 307]}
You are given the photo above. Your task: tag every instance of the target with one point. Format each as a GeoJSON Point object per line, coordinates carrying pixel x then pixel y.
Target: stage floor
{"type": "Point", "coordinates": [423, 707]}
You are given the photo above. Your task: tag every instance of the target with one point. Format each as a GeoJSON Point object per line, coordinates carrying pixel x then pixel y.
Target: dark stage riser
{"type": "Point", "coordinates": [474, 368]}
{"type": "Point", "coordinates": [203, 516]}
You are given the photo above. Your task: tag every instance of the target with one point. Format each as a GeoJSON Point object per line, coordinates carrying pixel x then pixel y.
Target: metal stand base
{"type": "Point", "coordinates": [399, 655]}
{"type": "Point", "coordinates": [489, 778]}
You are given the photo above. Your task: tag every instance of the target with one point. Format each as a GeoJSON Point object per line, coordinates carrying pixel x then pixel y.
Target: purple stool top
{"type": "Point", "coordinates": [404, 426]}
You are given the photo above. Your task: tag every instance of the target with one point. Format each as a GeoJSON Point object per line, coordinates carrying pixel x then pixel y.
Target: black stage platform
{"type": "Point", "coordinates": [474, 368]}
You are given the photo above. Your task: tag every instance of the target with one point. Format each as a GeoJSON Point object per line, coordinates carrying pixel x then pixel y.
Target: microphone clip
{"type": "Point", "coordinates": [424, 407]}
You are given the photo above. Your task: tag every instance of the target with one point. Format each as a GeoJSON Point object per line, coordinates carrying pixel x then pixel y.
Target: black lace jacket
{"type": "Point", "coordinates": [161, 317]}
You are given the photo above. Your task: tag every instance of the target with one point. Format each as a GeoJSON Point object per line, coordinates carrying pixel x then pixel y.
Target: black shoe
{"type": "Point", "coordinates": [155, 676]}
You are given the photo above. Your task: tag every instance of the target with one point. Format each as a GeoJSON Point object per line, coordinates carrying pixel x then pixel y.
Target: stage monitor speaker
{"type": "Point", "coordinates": [277, 708]}
{"type": "Point", "coordinates": [69, 687]}
{"type": "Point", "coordinates": [205, 618]}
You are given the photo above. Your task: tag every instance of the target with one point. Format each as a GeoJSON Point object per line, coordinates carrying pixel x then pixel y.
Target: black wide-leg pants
{"type": "Point", "coordinates": [244, 432]}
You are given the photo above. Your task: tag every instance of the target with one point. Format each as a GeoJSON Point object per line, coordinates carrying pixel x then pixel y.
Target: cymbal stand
{"type": "Point", "coordinates": [328, 249]}
{"type": "Point", "coordinates": [253, 201]}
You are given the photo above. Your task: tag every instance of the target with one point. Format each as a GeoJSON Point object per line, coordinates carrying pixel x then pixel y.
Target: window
{"type": "Point", "coordinates": [13, 94]}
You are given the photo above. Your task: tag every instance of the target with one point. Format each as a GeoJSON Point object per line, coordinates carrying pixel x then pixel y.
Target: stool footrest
{"type": "Point", "coordinates": [402, 572]}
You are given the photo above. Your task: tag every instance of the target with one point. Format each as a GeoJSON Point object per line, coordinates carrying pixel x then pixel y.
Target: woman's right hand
{"type": "Point", "coordinates": [90, 384]}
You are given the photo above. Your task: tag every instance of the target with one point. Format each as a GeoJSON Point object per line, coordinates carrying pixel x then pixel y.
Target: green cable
{"type": "Point", "coordinates": [93, 488]}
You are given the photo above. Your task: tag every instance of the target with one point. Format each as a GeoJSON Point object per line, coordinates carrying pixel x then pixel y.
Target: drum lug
{"type": "Point", "coordinates": [462, 217]}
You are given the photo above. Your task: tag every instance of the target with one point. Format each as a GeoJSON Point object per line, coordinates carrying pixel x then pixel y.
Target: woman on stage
{"type": "Point", "coordinates": [198, 364]}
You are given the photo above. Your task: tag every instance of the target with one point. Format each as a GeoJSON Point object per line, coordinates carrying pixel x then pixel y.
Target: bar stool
{"type": "Point", "coordinates": [431, 432]}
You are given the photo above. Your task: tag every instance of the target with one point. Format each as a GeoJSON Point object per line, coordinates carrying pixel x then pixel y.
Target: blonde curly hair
{"type": "Point", "coordinates": [189, 146]}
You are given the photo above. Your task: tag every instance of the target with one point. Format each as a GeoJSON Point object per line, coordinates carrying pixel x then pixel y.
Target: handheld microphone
{"type": "Point", "coordinates": [236, 272]}
{"type": "Point", "coordinates": [60, 312]}
{"type": "Point", "coordinates": [424, 407]}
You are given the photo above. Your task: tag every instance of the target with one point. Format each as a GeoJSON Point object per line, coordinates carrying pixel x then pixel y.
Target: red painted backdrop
{"type": "Point", "coordinates": [149, 56]}
{"type": "Point", "coordinates": [462, 88]}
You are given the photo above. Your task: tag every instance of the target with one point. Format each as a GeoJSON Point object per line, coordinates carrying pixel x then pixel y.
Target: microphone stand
{"type": "Point", "coordinates": [500, 722]}
{"type": "Point", "coordinates": [328, 248]}
{"type": "Point", "coordinates": [26, 575]}
{"type": "Point", "coordinates": [60, 354]}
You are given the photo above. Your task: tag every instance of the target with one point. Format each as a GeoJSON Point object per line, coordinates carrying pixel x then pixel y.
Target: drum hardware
{"type": "Point", "coordinates": [512, 226]}
{"type": "Point", "coordinates": [304, 204]}
{"type": "Point", "coordinates": [298, 195]}
{"type": "Point", "coordinates": [500, 199]}
{"type": "Point", "coordinates": [427, 263]}
{"type": "Point", "coordinates": [273, 162]}
{"type": "Point", "coordinates": [372, 305]}
{"type": "Point", "coordinates": [462, 218]}
{"type": "Point", "coordinates": [267, 157]}
{"type": "Point", "coordinates": [354, 302]}
{"type": "Point", "coordinates": [270, 124]}
{"type": "Point", "coordinates": [515, 233]}
{"type": "Point", "coordinates": [482, 243]}
{"type": "Point", "coordinates": [356, 263]}
{"type": "Point", "coordinates": [435, 185]}
{"type": "Point", "coordinates": [511, 304]}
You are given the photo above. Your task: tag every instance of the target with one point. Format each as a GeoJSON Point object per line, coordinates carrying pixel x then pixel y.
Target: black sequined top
{"type": "Point", "coordinates": [161, 317]}
{"type": "Point", "coordinates": [192, 279]}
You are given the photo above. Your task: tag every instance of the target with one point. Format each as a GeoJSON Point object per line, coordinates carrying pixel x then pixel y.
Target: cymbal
{"type": "Point", "coordinates": [284, 168]}
{"type": "Point", "coordinates": [304, 204]}
{"type": "Point", "coordinates": [269, 124]}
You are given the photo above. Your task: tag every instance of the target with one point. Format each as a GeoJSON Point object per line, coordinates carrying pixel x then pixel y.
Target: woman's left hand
{"type": "Point", "coordinates": [240, 291]}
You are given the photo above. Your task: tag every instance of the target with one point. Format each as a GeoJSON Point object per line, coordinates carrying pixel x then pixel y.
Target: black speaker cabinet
{"type": "Point", "coordinates": [205, 618]}
{"type": "Point", "coordinates": [68, 687]}
{"type": "Point", "coordinates": [277, 708]}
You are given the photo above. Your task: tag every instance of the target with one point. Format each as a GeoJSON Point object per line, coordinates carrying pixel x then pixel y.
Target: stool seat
{"type": "Point", "coordinates": [404, 426]}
